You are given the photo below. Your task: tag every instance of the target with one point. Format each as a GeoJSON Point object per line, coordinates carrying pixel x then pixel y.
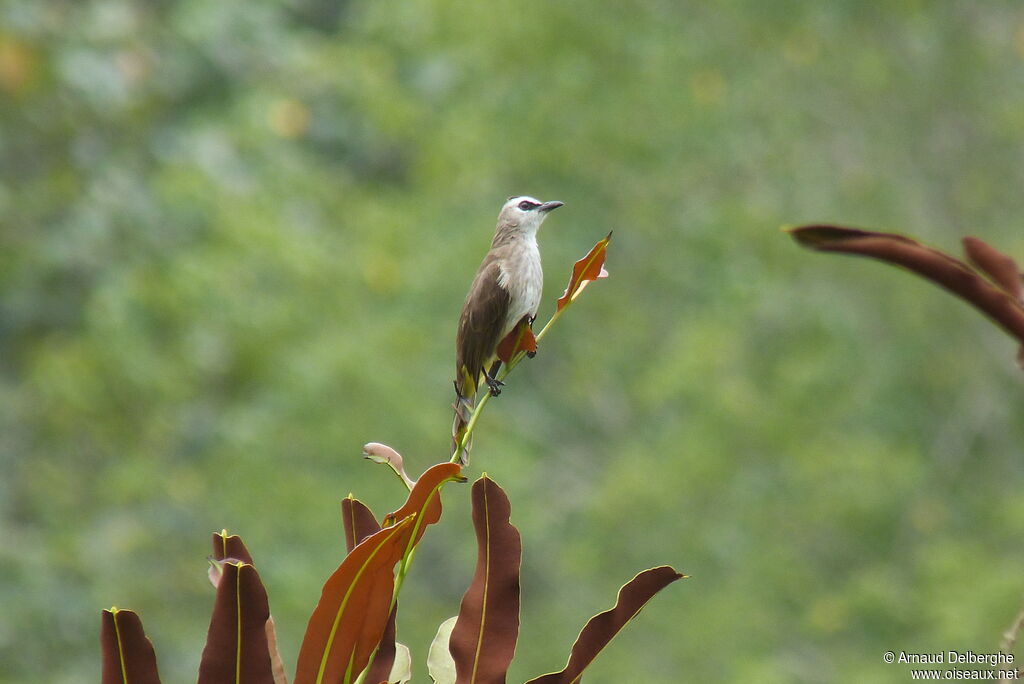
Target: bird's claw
{"type": "Point", "coordinates": [530, 354]}
{"type": "Point", "coordinates": [495, 385]}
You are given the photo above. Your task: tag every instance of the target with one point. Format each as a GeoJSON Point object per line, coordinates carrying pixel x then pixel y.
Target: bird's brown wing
{"type": "Point", "coordinates": [483, 316]}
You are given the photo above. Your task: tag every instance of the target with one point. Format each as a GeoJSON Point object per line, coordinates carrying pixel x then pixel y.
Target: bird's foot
{"type": "Point", "coordinates": [494, 385]}
{"type": "Point", "coordinates": [530, 354]}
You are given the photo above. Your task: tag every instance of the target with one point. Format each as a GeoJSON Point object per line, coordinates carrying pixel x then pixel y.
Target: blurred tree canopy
{"type": "Point", "coordinates": [234, 241]}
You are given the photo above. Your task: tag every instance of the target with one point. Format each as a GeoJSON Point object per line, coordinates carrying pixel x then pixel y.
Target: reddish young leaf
{"type": "Point", "coordinates": [1000, 267]}
{"type": "Point", "coordinates": [424, 499]}
{"type": "Point", "coordinates": [359, 522]}
{"type": "Point", "coordinates": [950, 273]}
{"type": "Point", "coordinates": [348, 622]}
{"type": "Point", "coordinates": [484, 639]}
{"type": "Point", "coordinates": [587, 269]}
{"type": "Point", "coordinates": [236, 644]}
{"type": "Point", "coordinates": [128, 656]}
{"type": "Point", "coordinates": [601, 628]}
{"type": "Point", "coordinates": [519, 339]}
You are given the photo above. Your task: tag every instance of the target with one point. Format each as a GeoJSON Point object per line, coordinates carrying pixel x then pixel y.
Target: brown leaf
{"type": "Point", "coordinates": [380, 668]}
{"type": "Point", "coordinates": [236, 644]}
{"type": "Point", "coordinates": [128, 656]}
{"type": "Point", "coordinates": [348, 622]}
{"type": "Point", "coordinates": [230, 546]}
{"type": "Point", "coordinates": [601, 628]}
{"type": "Point", "coordinates": [587, 269]}
{"type": "Point", "coordinates": [520, 339]}
{"type": "Point", "coordinates": [359, 522]}
{"type": "Point", "coordinates": [484, 639]}
{"type": "Point", "coordinates": [952, 274]}
{"type": "Point", "coordinates": [1000, 267]}
{"type": "Point", "coordinates": [424, 499]}
{"type": "Point", "coordinates": [226, 547]}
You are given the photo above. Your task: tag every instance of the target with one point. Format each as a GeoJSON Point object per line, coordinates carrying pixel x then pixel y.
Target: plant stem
{"type": "Point", "coordinates": [502, 374]}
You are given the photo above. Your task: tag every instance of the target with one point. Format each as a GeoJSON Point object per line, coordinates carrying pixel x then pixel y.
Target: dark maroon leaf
{"type": "Point", "coordinates": [382, 663]}
{"type": "Point", "coordinates": [230, 546]}
{"type": "Point", "coordinates": [236, 644]}
{"type": "Point", "coordinates": [484, 638]}
{"type": "Point", "coordinates": [601, 628]}
{"type": "Point", "coordinates": [359, 522]}
{"type": "Point", "coordinates": [1000, 267]}
{"type": "Point", "coordinates": [996, 301]}
{"type": "Point", "coordinates": [128, 656]}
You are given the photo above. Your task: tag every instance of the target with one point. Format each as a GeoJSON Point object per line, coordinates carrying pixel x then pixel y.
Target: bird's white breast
{"type": "Point", "coordinates": [522, 276]}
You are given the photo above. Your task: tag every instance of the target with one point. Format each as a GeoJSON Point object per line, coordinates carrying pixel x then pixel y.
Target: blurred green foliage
{"type": "Point", "coordinates": [235, 238]}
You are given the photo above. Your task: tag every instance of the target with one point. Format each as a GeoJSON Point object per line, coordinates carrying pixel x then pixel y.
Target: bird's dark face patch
{"type": "Point", "coordinates": [527, 205]}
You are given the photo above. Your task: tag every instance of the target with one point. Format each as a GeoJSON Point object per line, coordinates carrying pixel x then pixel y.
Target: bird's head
{"type": "Point", "coordinates": [525, 213]}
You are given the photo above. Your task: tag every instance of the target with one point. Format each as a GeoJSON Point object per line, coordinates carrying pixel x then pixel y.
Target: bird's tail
{"type": "Point", "coordinates": [465, 402]}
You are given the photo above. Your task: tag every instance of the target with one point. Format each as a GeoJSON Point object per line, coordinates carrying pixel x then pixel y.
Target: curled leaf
{"type": "Point", "coordinates": [484, 639]}
{"type": "Point", "coordinates": [1000, 301]}
{"type": "Point", "coordinates": [424, 500]}
{"type": "Point", "coordinates": [584, 271]}
{"type": "Point", "coordinates": [128, 656]}
{"type": "Point", "coordinates": [601, 628]}
{"type": "Point", "coordinates": [382, 453]}
{"type": "Point", "coordinates": [236, 644]}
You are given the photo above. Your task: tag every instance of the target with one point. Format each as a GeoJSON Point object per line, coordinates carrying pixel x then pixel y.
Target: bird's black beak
{"type": "Point", "coordinates": [548, 206]}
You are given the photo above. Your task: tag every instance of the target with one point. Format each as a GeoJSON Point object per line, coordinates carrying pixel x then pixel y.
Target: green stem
{"type": "Point", "coordinates": [502, 374]}
{"type": "Point", "coordinates": [410, 552]}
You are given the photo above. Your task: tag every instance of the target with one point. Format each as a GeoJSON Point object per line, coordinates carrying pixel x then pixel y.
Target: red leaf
{"type": "Point", "coordinates": [520, 339]}
{"type": "Point", "coordinates": [484, 639]}
{"type": "Point", "coordinates": [236, 644]}
{"type": "Point", "coordinates": [359, 522]}
{"type": "Point", "coordinates": [128, 656]}
{"type": "Point", "coordinates": [601, 628]}
{"type": "Point", "coordinates": [348, 622]}
{"type": "Point", "coordinates": [590, 267]}
{"type": "Point", "coordinates": [954, 275]}
{"type": "Point", "coordinates": [424, 499]}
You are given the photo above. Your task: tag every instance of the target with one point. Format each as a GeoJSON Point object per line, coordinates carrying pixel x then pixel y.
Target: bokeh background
{"type": "Point", "coordinates": [236, 237]}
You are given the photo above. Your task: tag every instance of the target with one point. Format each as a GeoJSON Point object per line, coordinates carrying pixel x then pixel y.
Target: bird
{"type": "Point", "coordinates": [505, 292]}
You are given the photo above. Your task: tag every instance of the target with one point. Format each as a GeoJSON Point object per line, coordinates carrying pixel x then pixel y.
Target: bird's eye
{"type": "Point", "coordinates": [526, 205]}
